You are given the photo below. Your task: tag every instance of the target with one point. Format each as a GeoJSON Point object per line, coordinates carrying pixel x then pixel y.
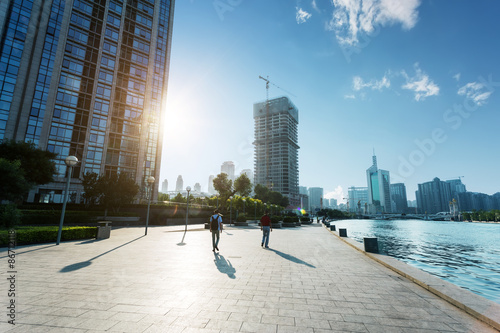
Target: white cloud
{"type": "Point", "coordinates": [338, 194]}
{"type": "Point", "coordinates": [351, 96]}
{"type": "Point", "coordinates": [352, 18]}
{"type": "Point", "coordinates": [301, 15]}
{"type": "Point", "coordinates": [358, 83]}
{"type": "Point", "coordinates": [421, 84]}
{"type": "Point", "coordinates": [474, 91]}
{"type": "Point", "coordinates": [457, 77]}
{"type": "Point", "coordinates": [315, 6]}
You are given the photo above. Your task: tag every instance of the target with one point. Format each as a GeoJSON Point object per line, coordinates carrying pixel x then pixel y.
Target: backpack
{"type": "Point", "coordinates": [214, 223]}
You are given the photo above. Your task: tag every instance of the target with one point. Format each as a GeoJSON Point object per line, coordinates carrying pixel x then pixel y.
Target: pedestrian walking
{"type": "Point", "coordinates": [215, 229]}
{"type": "Point", "coordinates": [265, 226]}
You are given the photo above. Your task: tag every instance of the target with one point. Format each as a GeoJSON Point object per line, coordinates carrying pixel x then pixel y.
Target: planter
{"type": "Point", "coordinates": [289, 224]}
{"type": "Point", "coordinates": [276, 225]}
{"type": "Point", "coordinates": [240, 224]}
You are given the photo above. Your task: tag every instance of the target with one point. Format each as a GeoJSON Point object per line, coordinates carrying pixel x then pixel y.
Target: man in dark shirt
{"type": "Point", "coordinates": [265, 226]}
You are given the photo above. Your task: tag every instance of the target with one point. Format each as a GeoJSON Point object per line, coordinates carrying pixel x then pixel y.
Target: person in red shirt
{"type": "Point", "coordinates": [265, 226]}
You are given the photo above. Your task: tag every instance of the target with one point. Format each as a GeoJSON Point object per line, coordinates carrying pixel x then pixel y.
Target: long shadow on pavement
{"type": "Point", "coordinates": [224, 266]}
{"type": "Point", "coordinates": [83, 264]}
{"type": "Point", "coordinates": [291, 258]}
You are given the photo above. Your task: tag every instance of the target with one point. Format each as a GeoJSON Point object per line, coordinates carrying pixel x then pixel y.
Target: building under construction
{"type": "Point", "coordinates": [276, 147]}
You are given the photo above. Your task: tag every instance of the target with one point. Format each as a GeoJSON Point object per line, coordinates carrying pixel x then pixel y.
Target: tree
{"type": "Point", "coordinates": [224, 186]}
{"type": "Point", "coordinates": [243, 185]}
{"type": "Point", "coordinates": [178, 198]}
{"type": "Point", "coordinates": [163, 197]}
{"type": "Point", "coordinates": [13, 184]}
{"type": "Point", "coordinates": [110, 191]}
{"type": "Point", "coordinates": [38, 165]}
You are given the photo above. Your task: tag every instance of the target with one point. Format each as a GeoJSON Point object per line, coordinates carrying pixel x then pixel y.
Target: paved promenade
{"type": "Point", "coordinates": [170, 281]}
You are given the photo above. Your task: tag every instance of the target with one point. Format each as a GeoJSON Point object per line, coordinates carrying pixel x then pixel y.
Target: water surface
{"type": "Point", "coordinates": [465, 254]}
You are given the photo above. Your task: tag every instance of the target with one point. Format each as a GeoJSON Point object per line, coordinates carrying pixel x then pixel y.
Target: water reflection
{"type": "Point", "coordinates": [466, 254]}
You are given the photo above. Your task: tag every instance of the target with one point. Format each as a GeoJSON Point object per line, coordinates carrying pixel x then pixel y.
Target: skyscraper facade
{"type": "Point", "coordinates": [434, 196]}
{"type": "Point", "coordinates": [358, 199]}
{"type": "Point", "coordinates": [379, 195]}
{"type": "Point", "coordinates": [86, 78]}
{"type": "Point", "coordinates": [398, 197]}
{"type": "Point", "coordinates": [276, 147]}
{"type": "Point", "coordinates": [164, 186]}
{"type": "Point", "coordinates": [315, 198]}
{"type": "Point", "coordinates": [179, 184]}
{"type": "Point", "coordinates": [228, 168]}
{"type": "Point", "coordinates": [211, 189]}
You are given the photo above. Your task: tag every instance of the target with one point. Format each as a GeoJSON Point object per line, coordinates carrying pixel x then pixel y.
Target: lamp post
{"type": "Point", "coordinates": [188, 189]}
{"type": "Point", "coordinates": [70, 161]}
{"type": "Point", "coordinates": [255, 210]}
{"type": "Point", "coordinates": [151, 181]}
{"type": "Point", "coordinates": [230, 210]}
{"type": "Point", "coordinates": [244, 206]}
{"type": "Point", "coordinates": [217, 196]}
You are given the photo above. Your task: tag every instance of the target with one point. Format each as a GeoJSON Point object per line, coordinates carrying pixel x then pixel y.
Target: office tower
{"type": "Point", "coordinates": [398, 197]}
{"type": "Point", "coordinates": [434, 196]}
{"type": "Point", "coordinates": [228, 169]}
{"type": "Point", "coordinates": [164, 186]}
{"type": "Point", "coordinates": [179, 184]}
{"type": "Point", "coordinates": [304, 202]}
{"type": "Point", "coordinates": [211, 189]}
{"type": "Point", "coordinates": [276, 147]}
{"type": "Point", "coordinates": [333, 203]}
{"type": "Point", "coordinates": [197, 187]}
{"type": "Point", "coordinates": [357, 199]}
{"type": "Point", "coordinates": [303, 190]}
{"type": "Point", "coordinates": [379, 195]}
{"type": "Point", "coordinates": [315, 198]}
{"type": "Point", "coordinates": [89, 79]}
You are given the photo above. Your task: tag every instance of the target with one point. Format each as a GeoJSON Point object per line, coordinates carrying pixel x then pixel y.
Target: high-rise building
{"type": "Point", "coordinates": [197, 187]}
{"type": "Point", "coordinates": [333, 203]}
{"type": "Point", "coordinates": [86, 78]}
{"type": "Point", "coordinates": [315, 198]}
{"type": "Point", "coordinates": [398, 197]}
{"type": "Point", "coordinates": [434, 196]}
{"type": "Point", "coordinates": [164, 186]}
{"type": "Point", "coordinates": [276, 147]}
{"type": "Point", "coordinates": [211, 189]}
{"type": "Point", "coordinates": [228, 168]}
{"type": "Point", "coordinates": [248, 173]}
{"type": "Point", "coordinates": [379, 195]}
{"type": "Point", "coordinates": [179, 184]}
{"type": "Point", "coordinates": [358, 199]}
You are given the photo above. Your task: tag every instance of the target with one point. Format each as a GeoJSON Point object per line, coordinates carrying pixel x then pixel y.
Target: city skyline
{"type": "Point", "coordinates": [419, 84]}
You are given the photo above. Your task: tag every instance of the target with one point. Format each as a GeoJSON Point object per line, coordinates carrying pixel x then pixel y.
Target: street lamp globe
{"type": "Point", "coordinates": [151, 180]}
{"type": "Point", "coordinates": [188, 188]}
{"type": "Point", "coordinates": [71, 161]}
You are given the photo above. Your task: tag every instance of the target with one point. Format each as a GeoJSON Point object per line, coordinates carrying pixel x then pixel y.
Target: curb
{"type": "Point", "coordinates": [477, 306]}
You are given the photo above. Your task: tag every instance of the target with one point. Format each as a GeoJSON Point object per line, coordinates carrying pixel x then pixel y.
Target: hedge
{"type": "Point", "coordinates": [241, 218]}
{"type": "Point", "coordinates": [289, 219]}
{"type": "Point", "coordinates": [37, 235]}
{"type": "Point", "coordinates": [305, 219]}
{"type": "Point", "coordinates": [45, 217]}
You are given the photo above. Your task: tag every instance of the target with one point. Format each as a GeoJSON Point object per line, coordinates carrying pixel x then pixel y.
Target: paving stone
{"type": "Point", "coordinates": [309, 281]}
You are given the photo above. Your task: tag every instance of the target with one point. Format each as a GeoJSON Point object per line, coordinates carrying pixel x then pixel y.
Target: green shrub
{"type": "Point", "coordinates": [37, 235]}
{"type": "Point", "coordinates": [305, 219]}
{"type": "Point", "coordinates": [291, 219]}
{"type": "Point", "coordinates": [275, 219]}
{"type": "Point", "coordinates": [10, 216]}
{"type": "Point", "coordinates": [241, 218]}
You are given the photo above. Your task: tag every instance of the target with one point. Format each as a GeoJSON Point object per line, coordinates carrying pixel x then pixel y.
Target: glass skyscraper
{"type": "Point", "coordinates": [379, 195]}
{"type": "Point", "coordinates": [86, 78]}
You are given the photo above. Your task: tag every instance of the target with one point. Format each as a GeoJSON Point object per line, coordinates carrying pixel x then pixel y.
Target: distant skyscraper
{"type": "Point", "coordinates": [379, 195]}
{"type": "Point", "coordinates": [315, 198]}
{"type": "Point", "coordinates": [358, 199]}
{"type": "Point", "coordinates": [276, 147]}
{"type": "Point", "coordinates": [86, 78]}
{"type": "Point", "coordinates": [434, 196]}
{"type": "Point", "coordinates": [228, 169]}
{"type": "Point", "coordinates": [456, 186]}
{"type": "Point", "coordinates": [398, 196]}
{"type": "Point", "coordinates": [164, 186]}
{"type": "Point", "coordinates": [333, 203]}
{"type": "Point", "coordinates": [211, 189]}
{"type": "Point", "coordinates": [179, 185]}
{"type": "Point", "coordinates": [303, 190]}
{"type": "Point", "coordinates": [197, 187]}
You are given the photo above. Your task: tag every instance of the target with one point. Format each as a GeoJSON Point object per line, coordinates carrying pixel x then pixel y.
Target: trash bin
{"type": "Point", "coordinates": [103, 230]}
{"type": "Point", "coordinates": [342, 232]}
{"type": "Point", "coordinates": [371, 244]}
{"type": "Point", "coordinates": [332, 227]}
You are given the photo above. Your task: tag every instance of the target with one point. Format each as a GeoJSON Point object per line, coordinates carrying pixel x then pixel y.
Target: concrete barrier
{"type": "Point", "coordinates": [332, 227]}
{"type": "Point", "coordinates": [371, 244]}
{"type": "Point", "coordinates": [342, 232]}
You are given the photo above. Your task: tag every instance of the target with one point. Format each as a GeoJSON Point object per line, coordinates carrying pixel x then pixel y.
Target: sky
{"type": "Point", "coordinates": [416, 82]}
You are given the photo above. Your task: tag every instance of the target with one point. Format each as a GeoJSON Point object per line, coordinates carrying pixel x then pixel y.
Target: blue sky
{"type": "Point", "coordinates": [418, 82]}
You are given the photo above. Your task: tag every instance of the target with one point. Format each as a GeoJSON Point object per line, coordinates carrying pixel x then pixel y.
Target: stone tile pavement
{"type": "Point", "coordinates": [171, 281]}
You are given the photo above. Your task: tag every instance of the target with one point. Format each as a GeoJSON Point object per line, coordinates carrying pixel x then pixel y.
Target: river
{"type": "Point", "coordinates": [465, 254]}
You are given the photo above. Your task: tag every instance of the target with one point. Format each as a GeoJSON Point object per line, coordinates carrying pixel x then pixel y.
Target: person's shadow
{"type": "Point", "coordinates": [224, 266]}
{"type": "Point", "coordinates": [292, 258]}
